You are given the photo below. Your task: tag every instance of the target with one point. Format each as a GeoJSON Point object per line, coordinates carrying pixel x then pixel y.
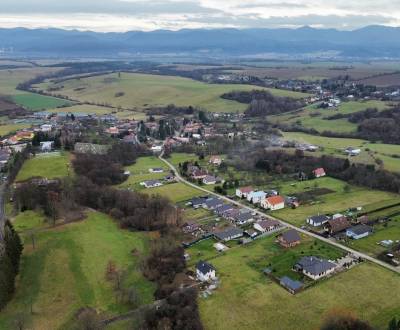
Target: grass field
{"type": "Point", "coordinates": [370, 244]}
{"type": "Point", "coordinates": [6, 129]}
{"type": "Point", "coordinates": [52, 165]}
{"type": "Point", "coordinates": [388, 153]}
{"type": "Point", "coordinates": [38, 102]}
{"type": "Point", "coordinates": [254, 302]}
{"type": "Point", "coordinates": [66, 271]}
{"type": "Point", "coordinates": [176, 192]}
{"type": "Point", "coordinates": [143, 90]}
{"type": "Point", "coordinates": [83, 108]}
{"type": "Point", "coordinates": [337, 201]}
{"type": "Point", "coordinates": [313, 118]}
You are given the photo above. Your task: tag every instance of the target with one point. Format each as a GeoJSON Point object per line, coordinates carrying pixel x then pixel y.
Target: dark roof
{"type": "Point", "coordinates": [360, 229]}
{"type": "Point", "coordinates": [291, 284]}
{"type": "Point", "coordinates": [223, 208]}
{"type": "Point", "coordinates": [213, 202]}
{"type": "Point", "coordinates": [244, 217]}
{"type": "Point", "coordinates": [204, 267]}
{"type": "Point", "coordinates": [319, 218]}
{"type": "Point", "coordinates": [290, 236]}
{"type": "Point", "coordinates": [268, 223]}
{"type": "Point", "coordinates": [198, 201]}
{"type": "Point", "coordinates": [314, 265]}
{"type": "Point", "coordinates": [338, 224]}
{"type": "Point", "coordinates": [228, 233]}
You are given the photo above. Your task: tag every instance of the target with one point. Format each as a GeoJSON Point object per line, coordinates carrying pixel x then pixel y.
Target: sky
{"type": "Point", "coordinates": [128, 15]}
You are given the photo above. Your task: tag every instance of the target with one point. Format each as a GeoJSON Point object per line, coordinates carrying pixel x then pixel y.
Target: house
{"type": "Point", "coordinates": [190, 227]}
{"type": "Point", "coordinates": [210, 179]}
{"type": "Point", "coordinates": [156, 148]}
{"type": "Point", "coordinates": [314, 267]}
{"type": "Point", "coordinates": [338, 224]}
{"type": "Point", "coordinates": [289, 238]}
{"type": "Point", "coordinates": [112, 130]}
{"type": "Point", "coordinates": [350, 151]}
{"type": "Point", "coordinates": [198, 202]}
{"type": "Point", "coordinates": [243, 218]}
{"type": "Point", "coordinates": [4, 156]}
{"type": "Point", "coordinates": [221, 210]}
{"type": "Point", "coordinates": [266, 225]}
{"type": "Point", "coordinates": [130, 138]}
{"type": "Point", "coordinates": [46, 128]}
{"type": "Point", "coordinates": [363, 219]}
{"type": "Point", "coordinates": [212, 203]}
{"type": "Point", "coordinates": [205, 271]}
{"type": "Point", "coordinates": [228, 234]}
{"type": "Point", "coordinates": [273, 203]}
{"type": "Point", "coordinates": [156, 170]}
{"type": "Point", "coordinates": [46, 146]}
{"type": "Point", "coordinates": [198, 174]}
{"type": "Point", "coordinates": [243, 192]}
{"type": "Point", "coordinates": [317, 220]}
{"type": "Point", "coordinates": [255, 197]}
{"type": "Point", "coordinates": [291, 285]}
{"type": "Point", "coordinates": [151, 183]}
{"type": "Point", "coordinates": [358, 231]}
{"type": "Point", "coordinates": [215, 160]}
{"type": "Point", "coordinates": [251, 233]}
{"type": "Point", "coordinates": [319, 172]}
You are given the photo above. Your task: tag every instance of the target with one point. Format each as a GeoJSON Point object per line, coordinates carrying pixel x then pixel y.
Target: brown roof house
{"type": "Point", "coordinates": [289, 238]}
{"type": "Point", "coordinates": [336, 225]}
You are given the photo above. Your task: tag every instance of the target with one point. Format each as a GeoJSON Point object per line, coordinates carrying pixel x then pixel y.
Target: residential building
{"type": "Point", "coordinates": [319, 172]}
{"type": "Point", "coordinates": [273, 203]}
{"type": "Point", "coordinates": [256, 197]}
{"type": "Point", "coordinates": [317, 220]}
{"type": "Point", "coordinates": [198, 202]}
{"type": "Point", "coordinates": [243, 192]}
{"type": "Point", "coordinates": [212, 203]}
{"type": "Point", "coordinates": [314, 267]}
{"type": "Point", "coordinates": [338, 224]}
{"type": "Point", "coordinates": [151, 183]}
{"type": "Point", "coordinates": [205, 271]}
{"type": "Point", "coordinates": [46, 146]}
{"type": "Point", "coordinates": [289, 238]}
{"type": "Point", "coordinates": [266, 225]}
{"type": "Point", "coordinates": [243, 218]}
{"type": "Point", "coordinates": [359, 231]}
{"type": "Point", "coordinates": [215, 160]}
{"type": "Point", "coordinates": [156, 170]}
{"type": "Point", "coordinates": [210, 179]}
{"type": "Point", "coordinates": [228, 234]}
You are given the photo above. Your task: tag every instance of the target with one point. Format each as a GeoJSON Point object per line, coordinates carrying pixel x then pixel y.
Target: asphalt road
{"type": "Point", "coordinates": [326, 240]}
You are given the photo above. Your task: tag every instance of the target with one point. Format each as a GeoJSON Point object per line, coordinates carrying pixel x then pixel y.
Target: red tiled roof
{"type": "Point", "coordinates": [274, 200]}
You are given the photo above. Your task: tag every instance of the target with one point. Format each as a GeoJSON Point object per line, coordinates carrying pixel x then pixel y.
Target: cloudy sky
{"type": "Point", "coordinates": [124, 15]}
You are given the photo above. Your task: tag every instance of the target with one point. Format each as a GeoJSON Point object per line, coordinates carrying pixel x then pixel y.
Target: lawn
{"type": "Point", "coordinates": [254, 302]}
{"type": "Point", "coordinates": [176, 192]}
{"type": "Point", "coordinates": [313, 118]}
{"type": "Point", "coordinates": [38, 102]}
{"type": "Point", "coordinates": [337, 201]}
{"type": "Point", "coordinates": [83, 108]}
{"type": "Point", "coordinates": [66, 271]}
{"type": "Point", "coordinates": [144, 90]}
{"type": "Point", "coordinates": [388, 153]}
{"type": "Point", "coordinates": [51, 165]}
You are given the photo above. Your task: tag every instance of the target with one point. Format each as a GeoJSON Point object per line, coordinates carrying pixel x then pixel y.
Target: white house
{"type": "Point", "coordinates": [315, 268]}
{"type": "Point", "coordinates": [266, 225]}
{"type": "Point", "coordinates": [273, 203]}
{"type": "Point", "coordinates": [243, 192]}
{"type": "Point", "coordinates": [317, 220]}
{"type": "Point", "coordinates": [46, 146]}
{"type": "Point", "coordinates": [205, 271]}
{"type": "Point", "coordinates": [256, 197]}
{"type": "Point", "coordinates": [156, 148]}
{"type": "Point", "coordinates": [46, 128]}
{"type": "Point", "coordinates": [151, 183]}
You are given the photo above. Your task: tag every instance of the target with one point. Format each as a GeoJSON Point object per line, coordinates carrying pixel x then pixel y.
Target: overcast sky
{"type": "Point", "coordinates": [125, 15]}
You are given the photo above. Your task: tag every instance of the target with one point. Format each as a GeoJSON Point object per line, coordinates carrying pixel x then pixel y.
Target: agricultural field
{"type": "Point", "coordinates": [388, 153]}
{"type": "Point", "coordinates": [339, 197]}
{"type": "Point", "coordinates": [140, 91]}
{"type": "Point", "coordinates": [8, 128]}
{"type": "Point", "coordinates": [313, 118]}
{"type": "Point", "coordinates": [77, 253]}
{"type": "Point", "coordinates": [50, 166]}
{"type": "Point", "coordinates": [9, 79]}
{"type": "Point", "coordinates": [83, 108]}
{"type": "Point", "coordinates": [37, 102]}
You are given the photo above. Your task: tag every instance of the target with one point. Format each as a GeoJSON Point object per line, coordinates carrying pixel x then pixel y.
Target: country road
{"type": "Point", "coordinates": [326, 240]}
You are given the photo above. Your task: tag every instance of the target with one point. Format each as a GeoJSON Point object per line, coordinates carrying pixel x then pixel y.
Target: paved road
{"type": "Point", "coordinates": [326, 240]}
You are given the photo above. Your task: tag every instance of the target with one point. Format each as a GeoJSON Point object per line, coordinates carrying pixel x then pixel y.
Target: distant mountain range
{"type": "Point", "coordinates": [368, 42]}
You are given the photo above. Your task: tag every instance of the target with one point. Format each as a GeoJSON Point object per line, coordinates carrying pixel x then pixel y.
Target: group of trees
{"type": "Point", "coordinates": [263, 103]}
{"type": "Point", "coordinates": [10, 253]}
{"type": "Point", "coordinates": [280, 162]}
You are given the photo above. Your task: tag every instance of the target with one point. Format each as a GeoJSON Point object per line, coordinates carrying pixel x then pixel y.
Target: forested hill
{"type": "Point", "coordinates": [368, 42]}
